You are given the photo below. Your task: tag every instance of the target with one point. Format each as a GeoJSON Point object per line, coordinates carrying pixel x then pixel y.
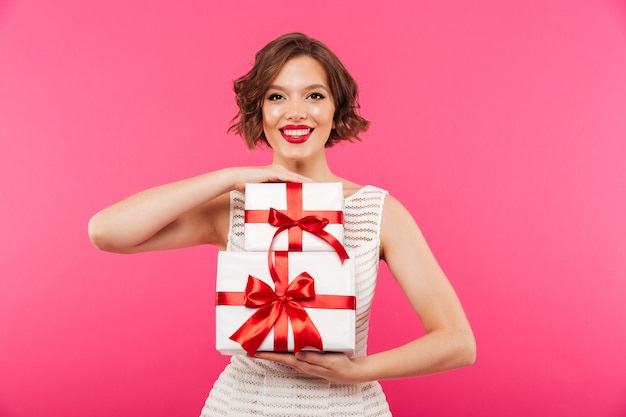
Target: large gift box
{"type": "Point", "coordinates": [300, 300]}
{"type": "Point", "coordinates": [293, 216]}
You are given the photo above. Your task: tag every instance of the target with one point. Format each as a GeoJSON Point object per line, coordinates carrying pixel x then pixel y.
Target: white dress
{"type": "Point", "coordinates": [256, 387]}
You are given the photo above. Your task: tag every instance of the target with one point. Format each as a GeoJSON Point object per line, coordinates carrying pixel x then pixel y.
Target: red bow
{"type": "Point", "coordinates": [311, 224]}
{"type": "Point", "coordinates": [271, 307]}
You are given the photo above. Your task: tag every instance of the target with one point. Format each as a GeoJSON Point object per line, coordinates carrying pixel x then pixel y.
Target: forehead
{"type": "Point", "coordinates": [301, 71]}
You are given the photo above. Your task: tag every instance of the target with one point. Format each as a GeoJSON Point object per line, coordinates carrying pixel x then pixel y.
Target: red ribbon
{"type": "Point", "coordinates": [272, 307]}
{"type": "Point", "coordinates": [295, 221]}
{"type": "Point", "coordinates": [276, 308]}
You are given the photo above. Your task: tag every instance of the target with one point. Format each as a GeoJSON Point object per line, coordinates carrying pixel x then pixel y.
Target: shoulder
{"type": "Point", "coordinates": [392, 204]}
{"type": "Point", "coordinates": [398, 227]}
{"type": "Point", "coordinates": [394, 212]}
{"type": "Point", "coordinates": [350, 188]}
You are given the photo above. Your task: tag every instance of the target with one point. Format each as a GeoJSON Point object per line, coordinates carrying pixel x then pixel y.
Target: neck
{"type": "Point", "coordinates": [317, 169]}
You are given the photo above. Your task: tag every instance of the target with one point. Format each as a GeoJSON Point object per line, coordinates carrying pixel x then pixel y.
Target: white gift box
{"type": "Point", "coordinates": [331, 278]}
{"type": "Point", "coordinates": [322, 199]}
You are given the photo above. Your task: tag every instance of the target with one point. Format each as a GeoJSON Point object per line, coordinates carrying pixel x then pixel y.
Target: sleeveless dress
{"type": "Point", "coordinates": [257, 387]}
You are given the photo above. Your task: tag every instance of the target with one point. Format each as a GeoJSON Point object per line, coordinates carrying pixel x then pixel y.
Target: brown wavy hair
{"type": "Point", "coordinates": [251, 88]}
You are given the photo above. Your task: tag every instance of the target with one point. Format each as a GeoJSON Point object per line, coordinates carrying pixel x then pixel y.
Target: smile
{"type": "Point", "coordinates": [296, 134]}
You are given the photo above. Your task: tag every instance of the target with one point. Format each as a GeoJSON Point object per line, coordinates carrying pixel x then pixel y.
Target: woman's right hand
{"type": "Point", "coordinates": [268, 173]}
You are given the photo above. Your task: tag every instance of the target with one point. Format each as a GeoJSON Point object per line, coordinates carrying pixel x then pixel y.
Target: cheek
{"type": "Point", "coordinates": [270, 115]}
{"type": "Point", "coordinates": [324, 115]}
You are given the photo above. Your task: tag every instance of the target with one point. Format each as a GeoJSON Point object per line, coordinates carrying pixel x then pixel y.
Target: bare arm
{"type": "Point", "coordinates": [184, 213]}
{"type": "Point", "coordinates": [449, 342]}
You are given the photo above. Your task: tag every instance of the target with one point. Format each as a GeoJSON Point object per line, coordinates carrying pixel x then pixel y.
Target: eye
{"type": "Point", "coordinates": [274, 97]}
{"type": "Point", "coordinates": [317, 96]}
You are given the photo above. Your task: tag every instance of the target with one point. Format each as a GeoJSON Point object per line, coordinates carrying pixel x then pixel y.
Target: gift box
{"type": "Point", "coordinates": [293, 216]}
{"type": "Point", "coordinates": [300, 301]}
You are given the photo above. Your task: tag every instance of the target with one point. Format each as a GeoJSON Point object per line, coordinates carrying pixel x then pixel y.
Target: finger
{"type": "Point", "coordinates": [313, 358]}
{"type": "Point", "coordinates": [292, 360]}
{"type": "Point", "coordinates": [290, 176]}
{"type": "Point", "coordinates": [284, 358]}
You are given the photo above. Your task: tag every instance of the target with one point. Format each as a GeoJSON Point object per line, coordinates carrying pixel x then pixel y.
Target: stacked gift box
{"type": "Point", "coordinates": [293, 287]}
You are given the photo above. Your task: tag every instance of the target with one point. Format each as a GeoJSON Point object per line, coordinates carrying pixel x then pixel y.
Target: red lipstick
{"type": "Point", "coordinates": [296, 133]}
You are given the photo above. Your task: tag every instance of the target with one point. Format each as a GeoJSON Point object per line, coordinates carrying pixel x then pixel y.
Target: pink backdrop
{"type": "Point", "coordinates": [500, 125]}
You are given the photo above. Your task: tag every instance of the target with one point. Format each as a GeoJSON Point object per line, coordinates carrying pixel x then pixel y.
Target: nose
{"type": "Point", "coordinates": [296, 110]}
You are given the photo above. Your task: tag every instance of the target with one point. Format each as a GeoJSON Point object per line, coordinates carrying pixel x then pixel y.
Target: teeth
{"type": "Point", "coordinates": [296, 133]}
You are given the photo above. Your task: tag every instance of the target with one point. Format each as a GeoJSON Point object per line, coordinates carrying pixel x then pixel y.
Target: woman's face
{"type": "Point", "coordinates": [298, 110]}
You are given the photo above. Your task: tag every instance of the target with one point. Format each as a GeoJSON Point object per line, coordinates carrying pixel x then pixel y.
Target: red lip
{"type": "Point", "coordinates": [293, 127]}
{"type": "Point", "coordinates": [300, 139]}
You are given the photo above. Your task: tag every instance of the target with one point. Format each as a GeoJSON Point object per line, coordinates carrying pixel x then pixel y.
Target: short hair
{"type": "Point", "coordinates": [251, 88]}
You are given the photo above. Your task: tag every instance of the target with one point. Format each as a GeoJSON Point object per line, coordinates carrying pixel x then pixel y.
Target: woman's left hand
{"type": "Point", "coordinates": [336, 367]}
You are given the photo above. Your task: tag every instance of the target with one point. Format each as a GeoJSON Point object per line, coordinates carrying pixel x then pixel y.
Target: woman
{"type": "Point", "coordinates": [299, 99]}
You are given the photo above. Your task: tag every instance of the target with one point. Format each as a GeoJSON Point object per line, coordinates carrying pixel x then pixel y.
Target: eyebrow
{"type": "Point", "coordinates": [310, 87]}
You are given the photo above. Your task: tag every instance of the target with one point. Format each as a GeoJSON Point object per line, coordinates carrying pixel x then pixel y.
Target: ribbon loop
{"type": "Point", "coordinates": [258, 293]}
{"type": "Point", "coordinates": [309, 223]}
{"type": "Point", "coordinates": [313, 224]}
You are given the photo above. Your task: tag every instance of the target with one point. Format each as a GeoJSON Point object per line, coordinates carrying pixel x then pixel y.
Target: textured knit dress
{"type": "Point", "coordinates": [256, 387]}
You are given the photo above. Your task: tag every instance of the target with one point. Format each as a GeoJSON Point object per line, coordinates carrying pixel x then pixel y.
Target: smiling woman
{"type": "Point", "coordinates": [299, 99]}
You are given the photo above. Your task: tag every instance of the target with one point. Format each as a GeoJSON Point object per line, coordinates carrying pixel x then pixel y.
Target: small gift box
{"type": "Point", "coordinates": [293, 216]}
{"type": "Point", "coordinates": [301, 300]}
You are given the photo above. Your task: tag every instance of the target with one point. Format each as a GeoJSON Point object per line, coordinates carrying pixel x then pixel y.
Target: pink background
{"type": "Point", "coordinates": [500, 124]}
